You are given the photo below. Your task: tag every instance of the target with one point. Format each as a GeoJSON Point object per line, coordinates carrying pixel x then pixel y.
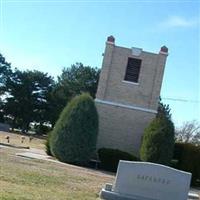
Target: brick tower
{"type": "Point", "coordinates": [128, 94]}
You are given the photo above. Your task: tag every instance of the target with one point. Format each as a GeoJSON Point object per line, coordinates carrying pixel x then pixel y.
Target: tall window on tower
{"type": "Point", "coordinates": [133, 70]}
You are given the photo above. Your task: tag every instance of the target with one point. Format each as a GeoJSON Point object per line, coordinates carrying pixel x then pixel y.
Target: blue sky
{"type": "Point", "coordinates": [50, 35]}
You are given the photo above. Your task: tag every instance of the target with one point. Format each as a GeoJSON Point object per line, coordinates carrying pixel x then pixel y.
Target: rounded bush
{"type": "Point", "coordinates": [47, 144]}
{"type": "Point", "coordinates": [110, 158]}
{"type": "Point", "coordinates": [158, 141]}
{"type": "Point", "coordinates": [73, 139]}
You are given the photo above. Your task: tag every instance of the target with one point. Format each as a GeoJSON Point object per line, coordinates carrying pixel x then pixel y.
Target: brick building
{"type": "Point", "coordinates": [128, 94]}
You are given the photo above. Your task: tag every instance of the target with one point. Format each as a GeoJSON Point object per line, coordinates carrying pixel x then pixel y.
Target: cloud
{"type": "Point", "coordinates": [179, 22]}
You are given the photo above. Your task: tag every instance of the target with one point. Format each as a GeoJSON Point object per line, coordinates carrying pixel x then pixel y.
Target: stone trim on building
{"type": "Point", "coordinates": [126, 106]}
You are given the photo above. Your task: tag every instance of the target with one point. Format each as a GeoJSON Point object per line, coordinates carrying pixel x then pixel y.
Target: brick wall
{"type": "Point", "coordinates": [126, 108]}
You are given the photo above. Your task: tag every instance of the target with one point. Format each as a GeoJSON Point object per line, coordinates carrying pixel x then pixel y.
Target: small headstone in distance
{"type": "Point", "coordinates": [30, 138]}
{"type": "Point", "coordinates": [22, 139]}
{"type": "Point", "coordinates": [7, 137]}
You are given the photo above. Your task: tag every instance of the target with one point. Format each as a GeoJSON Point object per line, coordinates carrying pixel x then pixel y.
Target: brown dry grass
{"type": "Point", "coordinates": [26, 179]}
{"type": "Point", "coordinates": [15, 139]}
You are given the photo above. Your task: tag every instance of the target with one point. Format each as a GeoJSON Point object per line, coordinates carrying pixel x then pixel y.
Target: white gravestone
{"type": "Point", "coordinates": [147, 181]}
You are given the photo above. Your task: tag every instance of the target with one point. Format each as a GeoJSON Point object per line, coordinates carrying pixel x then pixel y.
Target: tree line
{"type": "Point", "coordinates": [34, 96]}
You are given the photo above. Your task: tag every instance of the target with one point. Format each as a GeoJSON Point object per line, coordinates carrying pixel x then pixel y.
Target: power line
{"type": "Point", "coordinates": [181, 100]}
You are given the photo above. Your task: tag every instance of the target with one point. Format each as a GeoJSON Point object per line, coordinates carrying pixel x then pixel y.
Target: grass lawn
{"type": "Point", "coordinates": [15, 139]}
{"type": "Point", "coordinates": [26, 179]}
{"type": "Point", "coordinates": [31, 179]}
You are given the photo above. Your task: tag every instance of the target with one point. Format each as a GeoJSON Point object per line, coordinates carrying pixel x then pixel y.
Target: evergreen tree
{"type": "Point", "coordinates": [27, 98]}
{"type": "Point", "coordinates": [158, 139]}
{"type": "Point", "coordinates": [163, 110]}
{"type": "Point", "coordinates": [5, 73]}
{"type": "Point", "coordinates": [73, 139]}
{"type": "Point", "coordinates": [73, 81]}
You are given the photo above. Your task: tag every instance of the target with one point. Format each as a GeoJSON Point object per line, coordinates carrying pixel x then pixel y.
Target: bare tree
{"type": "Point", "coordinates": [189, 132]}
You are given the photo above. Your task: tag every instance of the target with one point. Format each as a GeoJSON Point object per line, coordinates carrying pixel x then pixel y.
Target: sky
{"type": "Point", "coordinates": [49, 35]}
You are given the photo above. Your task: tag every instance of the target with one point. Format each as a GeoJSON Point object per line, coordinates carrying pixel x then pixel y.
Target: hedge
{"type": "Point", "coordinates": [110, 158]}
{"type": "Point", "coordinates": [188, 156]}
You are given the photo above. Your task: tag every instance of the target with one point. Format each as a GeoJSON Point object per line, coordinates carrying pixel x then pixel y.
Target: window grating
{"type": "Point", "coordinates": [133, 70]}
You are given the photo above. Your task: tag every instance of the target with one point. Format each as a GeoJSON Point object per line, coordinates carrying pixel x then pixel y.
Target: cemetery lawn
{"type": "Point", "coordinates": [15, 140]}
{"type": "Point", "coordinates": [27, 179]}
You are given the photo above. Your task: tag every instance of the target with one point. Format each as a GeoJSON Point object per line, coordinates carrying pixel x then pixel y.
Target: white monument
{"type": "Point", "coordinates": [148, 181]}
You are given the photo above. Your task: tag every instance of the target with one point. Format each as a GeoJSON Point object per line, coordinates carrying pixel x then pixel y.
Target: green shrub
{"type": "Point", "coordinates": [188, 156]}
{"type": "Point", "coordinates": [73, 139]}
{"type": "Point", "coordinates": [1, 117]}
{"type": "Point", "coordinates": [110, 158]}
{"type": "Point", "coordinates": [42, 129]}
{"type": "Point", "coordinates": [47, 144]}
{"type": "Point", "coordinates": [158, 141]}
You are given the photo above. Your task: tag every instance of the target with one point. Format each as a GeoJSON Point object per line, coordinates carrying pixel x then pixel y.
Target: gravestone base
{"type": "Point", "coordinates": [108, 194]}
{"type": "Point", "coordinates": [192, 195]}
